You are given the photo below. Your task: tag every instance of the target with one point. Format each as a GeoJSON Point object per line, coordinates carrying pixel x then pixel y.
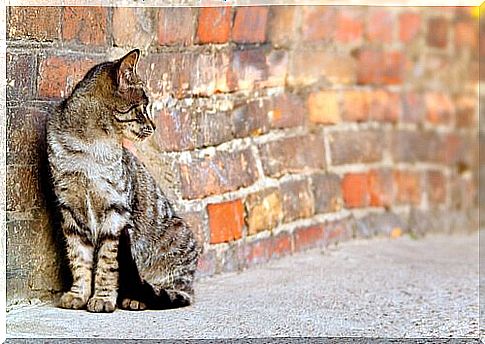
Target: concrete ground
{"type": "Point", "coordinates": [378, 288]}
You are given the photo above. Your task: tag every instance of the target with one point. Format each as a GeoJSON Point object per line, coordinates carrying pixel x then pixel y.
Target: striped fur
{"type": "Point", "coordinates": [125, 243]}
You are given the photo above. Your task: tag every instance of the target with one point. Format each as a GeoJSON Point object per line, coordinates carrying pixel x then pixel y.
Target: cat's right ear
{"type": "Point", "coordinates": [127, 69]}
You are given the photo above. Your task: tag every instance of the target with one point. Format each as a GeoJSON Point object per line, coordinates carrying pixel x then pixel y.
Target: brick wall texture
{"type": "Point", "coordinates": [279, 128]}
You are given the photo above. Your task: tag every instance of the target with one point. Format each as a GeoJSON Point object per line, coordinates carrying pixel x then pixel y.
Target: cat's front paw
{"type": "Point", "coordinates": [101, 304]}
{"type": "Point", "coordinates": [133, 305]}
{"type": "Point", "coordinates": [72, 300]}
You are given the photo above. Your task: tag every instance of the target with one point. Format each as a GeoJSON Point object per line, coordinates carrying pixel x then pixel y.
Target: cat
{"type": "Point", "coordinates": [125, 244]}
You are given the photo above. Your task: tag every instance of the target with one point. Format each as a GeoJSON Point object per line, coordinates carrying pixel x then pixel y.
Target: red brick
{"type": "Point", "coordinates": [370, 66]}
{"type": "Point", "coordinates": [436, 187]}
{"type": "Point", "coordinates": [355, 190]}
{"type": "Point", "coordinates": [292, 155]}
{"type": "Point", "coordinates": [381, 190]}
{"type": "Point", "coordinates": [323, 107]}
{"type": "Point", "coordinates": [319, 23]}
{"type": "Point", "coordinates": [59, 74]}
{"type": "Point", "coordinates": [280, 245]}
{"type": "Point", "coordinates": [355, 106]}
{"type": "Point", "coordinates": [257, 251]}
{"type": "Point", "coordinates": [250, 24]}
{"type": "Point", "coordinates": [466, 34]}
{"type": "Point", "coordinates": [197, 222]}
{"type": "Point", "coordinates": [409, 26]}
{"type": "Point", "coordinates": [222, 172]}
{"type": "Point", "coordinates": [214, 25]}
{"type": "Point", "coordinates": [308, 67]}
{"type": "Point", "coordinates": [20, 69]}
{"type": "Point", "coordinates": [412, 107]}
{"type": "Point", "coordinates": [437, 32]}
{"type": "Point", "coordinates": [85, 25]}
{"type": "Point", "coordinates": [251, 118]}
{"type": "Point", "coordinates": [466, 111]}
{"type": "Point", "coordinates": [263, 210]}
{"type": "Point", "coordinates": [170, 30]}
{"type": "Point", "coordinates": [281, 25]}
{"type": "Point", "coordinates": [412, 146]}
{"type": "Point", "coordinates": [350, 147]}
{"type": "Point", "coordinates": [297, 200]}
{"type": "Point", "coordinates": [395, 67]}
{"type": "Point", "coordinates": [37, 23]}
{"type": "Point", "coordinates": [249, 69]}
{"type": "Point", "coordinates": [308, 237]}
{"type": "Point", "coordinates": [129, 26]}
{"type": "Point", "coordinates": [379, 26]}
{"type": "Point", "coordinates": [327, 193]}
{"type": "Point", "coordinates": [226, 221]}
{"type": "Point", "coordinates": [408, 187]}
{"type": "Point", "coordinates": [210, 128]}
{"type": "Point", "coordinates": [287, 111]}
{"type": "Point", "coordinates": [384, 106]}
{"type": "Point", "coordinates": [439, 108]}
{"type": "Point", "coordinates": [349, 27]}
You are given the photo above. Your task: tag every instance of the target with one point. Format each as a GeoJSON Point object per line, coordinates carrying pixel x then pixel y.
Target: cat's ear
{"type": "Point", "coordinates": [127, 68]}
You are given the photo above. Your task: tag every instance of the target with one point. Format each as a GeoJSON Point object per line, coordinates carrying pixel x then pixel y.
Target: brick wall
{"type": "Point", "coordinates": [279, 128]}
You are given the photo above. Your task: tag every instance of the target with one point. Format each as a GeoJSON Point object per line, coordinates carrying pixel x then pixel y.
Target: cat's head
{"type": "Point", "coordinates": [132, 109]}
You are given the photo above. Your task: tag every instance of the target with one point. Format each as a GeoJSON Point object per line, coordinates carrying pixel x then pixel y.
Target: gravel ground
{"type": "Point", "coordinates": [376, 288]}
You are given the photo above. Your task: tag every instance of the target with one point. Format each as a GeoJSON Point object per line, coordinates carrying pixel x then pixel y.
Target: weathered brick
{"type": "Point", "coordinates": [439, 108]}
{"type": "Point", "coordinates": [226, 221]}
{"type": "Point", "coordinates": [187, 128]}
{"type": "Point", "coordinates": [355, 190]}
{"type": "Point", "coordinates": [232, 258]}
{"type": "Point", "coordinates": [384, 106]}
{"type": "Point", "coordinates": [59, 74]}
{"type": "Point", "coordinates": [85, 25]}
{"type": "Point", "coordinates": [170, 30]}
{"type": "Point", "coordinates": [197, 222]}
{"type": "Point", "coordinates": [281, 245]}
{"type": "Point", "coordinates": [24, 190]}
{"type": "Point", "coordinates": [408, 187]}
{"type": "Point", "coordinates": [207, 264]}
{"type": "Point", "coordinates": [381, 188]}
{"type": "Point", "coordinates": [378, 224]}
{"type": "Point", "coordinates": [363, 146]}
{"type": "Point", "coordinates": [463, 193]}
{"type": "Point", "coordinates": [308, 237]}
{"type": "Point", "coordinates": [327, 192]}
{"type": "Point", "coordinates": [250, 24]}
{"type": "Point", "coordinates": [349, 25]}
{"type": "Point", "coordinates": [320, 22]}
{"type": "Point", "coordinates": [25, 135]}
{"type": "Point", "coordinates": [466, 111]}
{"type": "Point", "coordinates": [377, 67]}
{"type": "Point", "coordinates": [459, 150]}
{"type": "Point", "coordinates": [379, 26]}
{"type": "Point", "coordinates": [337, 231]}
{"type": "Point", "coordinates": [436, 187]}
{"type": "Point", "coordinates": [263, 210]}
{"type": "Point", "coordinates": [210, 73]}
{"type": "Point", "coordinates": [409, 26]}
{"type": "Point", "coordinates": [24, 23]}
{"type": "Point", "coordinates": [132, 26]}
{"type": "Point", "coordinates": [277, 62]}
{"type": "Point", "coordinates": [412, 146]}
{"type": "Point", "coordinates": [281, 25]}
{"type": "Point", "coordinates": [292, 154]}
{"type": "Point", "coordinates": [310, 66]}
{"type": "Point", "coordinates": [466, 34]}
{"type": "Point", "coordinates": [214, 25]}
{"type": "Point", "coordinates": [412, 107]}
{"type": "Point", "coordinates": [257, 251]}
{"type": "Point", "coordinates": [323, 107]}
{"type": "Point", "coordinates": [437, 32]}
{"type": "Point", "coordinates": [251, 118]}
{"type": "Point", "coordinates": [216, 174]}
{"type": "Point", "coordinates": [297, 200]}
{"type": "Point", "coordinates": [355, 106]}
{"type": "Point", "coordinates": [248, 69]}
{"type": "Point", "coordinates": [21, 69]}
{"type": "Point", "coordinates": [288, 110]}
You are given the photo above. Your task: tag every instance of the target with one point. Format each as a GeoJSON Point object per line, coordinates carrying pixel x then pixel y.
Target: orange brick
{"type": "Point", "coordinates": [350, 26]}
{"type": "Point", "coordinates": [355, 106]}
{"type": "Point", "coordinates": [409, 26]}
{"type": "Point", "coordinates": [466, 34]}
{"type": "Point", "coordinates": [86, 25]}
{"type": "Point", "coordinates": [379, 27]}
{"type": "Point", "coordinates": [355, 190]}
{"type": "Point", "coordinates": [408, 187]}
{"type": "Point", "coordinates": [323, 107]}
{"type": "Point", "coordinates": [226, 221]}
{"type": "Point", "coordinates": [439, 108]}
{"type": "Point", "coordinates": [380, 185]}
{"type": "Point", "coordinates": [214, 25]}
{"type": "Point", "coordinates": [384, 106]}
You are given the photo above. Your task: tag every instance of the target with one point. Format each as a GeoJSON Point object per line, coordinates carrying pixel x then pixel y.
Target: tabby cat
{"type": "Point", "coordinates": [125, 244]}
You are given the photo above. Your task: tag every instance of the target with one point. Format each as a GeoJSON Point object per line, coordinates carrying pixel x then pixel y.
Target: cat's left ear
{"type": "Point", "coordinates": [127, 68]}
